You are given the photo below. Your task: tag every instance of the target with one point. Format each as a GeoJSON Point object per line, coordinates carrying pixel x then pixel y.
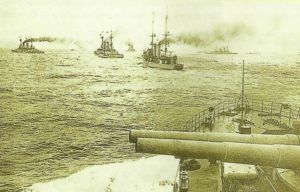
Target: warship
{"type": "Point", "coordinates": [26, 46]}
{"type": "Point", "coordinates": [154, 57]}
{"type": "Point", "coordinates": [239, 145]}
{"type": "Point", "coordinates": [222, 50]}
{"type": "Point", "coordinates": [107, 50]}
{"type": "Point", "coordinates": [130, 47]}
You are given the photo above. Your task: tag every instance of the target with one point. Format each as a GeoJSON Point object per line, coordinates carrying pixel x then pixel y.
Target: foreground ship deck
{"type": "Point", "coordinates": [265, 166]}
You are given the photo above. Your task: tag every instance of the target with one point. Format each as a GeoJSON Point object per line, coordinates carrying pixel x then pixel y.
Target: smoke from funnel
{"type": "Point", "coordinates": [40, 39]}
{"type": "Point", "coordinates": [70, 42]}
{"type": "Point", "coordinates": [54, 39]}
{"type": "Point", "coordinates": [220, 33]}
{"type": "Point", "coordinates": [166, 41]}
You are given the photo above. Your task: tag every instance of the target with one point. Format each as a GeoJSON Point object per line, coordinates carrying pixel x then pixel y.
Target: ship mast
{"type": "Point", "coordinates": [111, 38]}
{"type": "Point", "coordinates": [243, 92]}
{"type": "Point", "coordinates": [166, 34]}
{"type": "Point", "coordinates": [102, 38]}
{"type": "Point", "coordinates": [152, 34]}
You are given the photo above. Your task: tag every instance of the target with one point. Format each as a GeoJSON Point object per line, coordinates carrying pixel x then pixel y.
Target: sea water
{"type": "Point", "coordinates": [66, 115]}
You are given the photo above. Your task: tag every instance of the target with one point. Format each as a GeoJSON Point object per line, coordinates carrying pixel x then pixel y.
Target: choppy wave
{"type": "Point", "coordinates": [62, 112]}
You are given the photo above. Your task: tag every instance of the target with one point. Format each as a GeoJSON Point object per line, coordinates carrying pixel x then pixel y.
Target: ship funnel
{"type": "Point", "coordinates": [154, 49]}
{"type": "Point", "coordinates": [158, 49]}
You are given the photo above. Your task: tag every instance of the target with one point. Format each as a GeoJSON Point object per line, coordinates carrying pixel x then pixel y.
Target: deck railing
{"type": "Point", "coordinates": [269, 110]}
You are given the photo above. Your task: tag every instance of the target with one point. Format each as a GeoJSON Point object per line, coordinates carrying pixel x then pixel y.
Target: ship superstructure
{"type": "Point", "coordinates": [26, 46]}
{"type": "Point", "coordinates": [107, 50]}
{"type": "Point", "coordinates": [158, 56]}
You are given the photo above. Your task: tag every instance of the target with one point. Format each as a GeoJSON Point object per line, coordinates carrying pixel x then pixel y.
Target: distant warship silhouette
{"type": "Point", "coordinates": [130, 47]}
{"type": "Point", "coordinates": [222, 50]}
{"type": "Point", "coordinates": [154, 57]}
{"type": "Point", "coordinates": [106, 50]}
{"type": "Point", "coordinates": [26, 46]}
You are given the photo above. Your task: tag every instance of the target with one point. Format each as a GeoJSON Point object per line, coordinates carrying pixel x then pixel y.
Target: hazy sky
{"type": "Point", "coordinates": [253, 25]}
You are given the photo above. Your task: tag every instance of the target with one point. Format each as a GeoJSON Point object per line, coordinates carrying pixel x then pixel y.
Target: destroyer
{"type": "Point", "coordinates": [156, 58]}
{"type": "Point", "coordinates": [26, 46]}
{"type": "Point", "coordinates": [106, 49]}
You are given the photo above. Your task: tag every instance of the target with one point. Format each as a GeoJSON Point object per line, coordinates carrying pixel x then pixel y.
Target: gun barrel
{"type": "Point", "coordinates": [279, 156]}
{"type": "Point", "coordinates": [287, 139]}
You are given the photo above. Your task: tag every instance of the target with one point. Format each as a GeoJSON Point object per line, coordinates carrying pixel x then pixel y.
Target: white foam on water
{"type": "Point", "coordinates": [144, 175]}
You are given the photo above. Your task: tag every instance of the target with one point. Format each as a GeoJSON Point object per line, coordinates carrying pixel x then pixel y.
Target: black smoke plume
{"type": "Point", "coordinates": [53, 39]}
{"type": "Point", "coordinates": [221, 33]}
{"type": "Point", "coordinates": [40, 39]}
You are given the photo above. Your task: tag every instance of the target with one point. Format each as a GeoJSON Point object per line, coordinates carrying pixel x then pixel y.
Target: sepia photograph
{"type": "Point", "coordinates": [149, 96]}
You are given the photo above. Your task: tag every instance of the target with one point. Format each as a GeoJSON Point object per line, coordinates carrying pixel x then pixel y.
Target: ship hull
{"type": "Point", "coordinates": [102, 55]}
{"type": "Point", "coordinates": [164, 66]}
{"type": "Point", "coordinates": [110, 56]}
{"type": "Point", "coordinates": [223, 53]}
{"type": "Point", "coordinates": [20, 50]}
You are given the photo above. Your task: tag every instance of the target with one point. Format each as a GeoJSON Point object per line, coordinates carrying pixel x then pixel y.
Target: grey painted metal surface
{"type": "Point", "coordinates": [280, 156]}
{"type": "Point", "coordinates": [288, 139]}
